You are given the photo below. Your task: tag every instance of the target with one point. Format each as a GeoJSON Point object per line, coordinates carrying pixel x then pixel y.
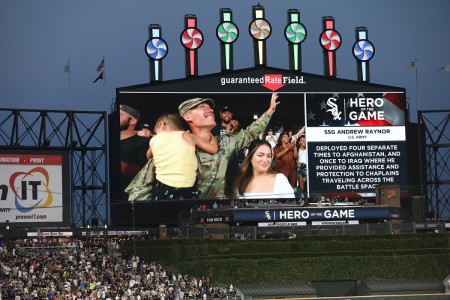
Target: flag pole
{"type": "Point", "coordinates": [104, 84]}
{"type": "Point", "coordinates": [413, 65]}
{"type": "Point", "coordinates": [417, 85]}
{"type": "Point", "coordinates": [68, 70]}
{"type": "Point", "coordinates": [107, 199]}
{"type": "Point", "coordinates": [70, 87]}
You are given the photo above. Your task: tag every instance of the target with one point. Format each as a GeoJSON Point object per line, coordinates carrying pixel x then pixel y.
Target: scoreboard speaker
{"type": "Point", "coordinates": [388, 195]}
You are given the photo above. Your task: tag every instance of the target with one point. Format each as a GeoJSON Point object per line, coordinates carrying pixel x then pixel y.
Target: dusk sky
{"type": "Point", "coordinates": [39, 37]}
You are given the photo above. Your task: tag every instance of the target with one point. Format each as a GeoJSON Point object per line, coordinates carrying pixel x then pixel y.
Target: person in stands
{"type": "Point", "coordinates": [285, 154]}
{"type": "Point", "coordinates": [145, 131]}
{"type": "Point", "coordinates": [256, 179]}
{"type": "Point", "coordinates": [133, 148]}
{"type": "Point", "coordinates": [173, 153]}
{"type": "Point", "coordinates": [228, 124]}
{"type": "Point", "coordinates": [199, 114]}
{"type": "Point", "coordinates": [302, 164]}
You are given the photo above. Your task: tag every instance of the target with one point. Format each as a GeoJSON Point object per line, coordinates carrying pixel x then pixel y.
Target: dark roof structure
{"type": "Point", "coordinates": [299, 82]}
{"type": "Point", "coordinates": [364, 288]}
{"type": "Point", "coordinates": [386, 287]}
{"type": "Point", "coordinates": [265, 291]}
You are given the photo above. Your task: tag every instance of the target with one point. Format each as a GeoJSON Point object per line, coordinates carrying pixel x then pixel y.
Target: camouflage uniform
{"type": "Point", "coordinates": [213, 167]}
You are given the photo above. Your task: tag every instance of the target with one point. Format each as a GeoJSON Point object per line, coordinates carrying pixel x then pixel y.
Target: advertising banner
{"type": "Point", "coordinates": [31, 188]}
{"type": "Point", "coordinates": [313, 214]}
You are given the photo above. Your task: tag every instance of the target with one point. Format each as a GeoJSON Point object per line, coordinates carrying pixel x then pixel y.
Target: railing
{"type": "Point", "coordinates": [254, 232]}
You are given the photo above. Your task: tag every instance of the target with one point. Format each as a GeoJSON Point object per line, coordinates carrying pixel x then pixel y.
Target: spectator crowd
{"type": "Point", "coordinates": [77, 270]}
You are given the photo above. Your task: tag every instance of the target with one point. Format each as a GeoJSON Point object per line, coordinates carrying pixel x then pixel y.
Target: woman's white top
{"type": "Point", "coordinates": [302, 155]}
{"type": "Point", "coordinates": [282, 189]}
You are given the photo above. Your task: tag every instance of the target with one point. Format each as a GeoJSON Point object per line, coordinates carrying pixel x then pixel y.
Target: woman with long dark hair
{"type": "Point", "coordinates": [285, 153]}
{"type": "Point", "coordinates": [256, 179]}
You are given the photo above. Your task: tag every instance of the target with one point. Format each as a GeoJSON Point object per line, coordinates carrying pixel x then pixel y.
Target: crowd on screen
{"type": "Point", "coordinates": [77, 270]}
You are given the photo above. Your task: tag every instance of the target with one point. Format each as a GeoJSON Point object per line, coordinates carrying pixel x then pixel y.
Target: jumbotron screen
{"type": "Point", "coordinates": [355, 141]}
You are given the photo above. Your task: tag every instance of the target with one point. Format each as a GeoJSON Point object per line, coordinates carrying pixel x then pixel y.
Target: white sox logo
{"type": "Point", "coordinates": [334, 108]}
{"type": "Point", "coordinates": [267, 215]}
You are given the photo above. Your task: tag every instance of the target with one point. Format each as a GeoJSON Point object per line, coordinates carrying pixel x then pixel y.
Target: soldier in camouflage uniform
{"type": "Point", "coordinates": [198, 113]}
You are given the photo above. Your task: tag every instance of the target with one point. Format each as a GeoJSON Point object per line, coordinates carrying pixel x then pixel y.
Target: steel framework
{"type": "Point", "coordinates": [83, 135]}
{"type": "Point", "coordinates": [436, 150]}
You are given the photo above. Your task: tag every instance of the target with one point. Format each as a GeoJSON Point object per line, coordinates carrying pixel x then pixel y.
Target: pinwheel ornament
{"type": "Point", "coordinates": [227, 32]}
{"type": "Point", "coordinates": [295, 33]}
{"type": "Point", "coordinates": [330, 40]}
{"type": "Point", "coordinates": [363, 50]}
{"type": "Point", "coordinates": [260, 29]}
{"type": "Point", "coordinates": [156, 48]}
{"type": "Point", "coordinates": [191, 38]}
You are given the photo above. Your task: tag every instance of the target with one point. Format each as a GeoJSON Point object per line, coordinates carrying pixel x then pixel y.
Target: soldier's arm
{"type": "Point", "coordinates": [247, 135]}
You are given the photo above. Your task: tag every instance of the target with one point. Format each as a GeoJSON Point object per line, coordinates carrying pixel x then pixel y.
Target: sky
{"type": "Point", "coordinates": [39, 37]}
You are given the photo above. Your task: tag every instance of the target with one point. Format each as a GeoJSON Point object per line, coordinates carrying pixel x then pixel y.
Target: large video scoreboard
{"type": "Point", "coordinates": [355, 131]}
